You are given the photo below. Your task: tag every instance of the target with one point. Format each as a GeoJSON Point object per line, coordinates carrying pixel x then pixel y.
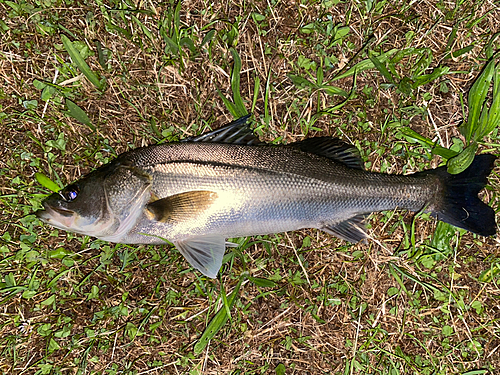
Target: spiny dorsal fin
{"type": "Point", "coordinates": [181, 206]}
{"type": "Point", "coordinates": [351, 230]}
{"type": "Point", "coordinates": [237, 132]}
{"type": "Point", "coordinates": [332, 148]}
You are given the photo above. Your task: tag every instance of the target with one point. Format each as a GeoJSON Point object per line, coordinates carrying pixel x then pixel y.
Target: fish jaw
{"type": "Point", "coordinates": [57, 217]}
{"type": "Point", "coordinates": [69, 220]}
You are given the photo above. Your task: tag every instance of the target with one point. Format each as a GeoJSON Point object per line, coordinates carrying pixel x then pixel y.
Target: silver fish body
{"type": "Point", "coordinates": [265, 189]}
{"type": "Point", "coordinates": [196, 194]}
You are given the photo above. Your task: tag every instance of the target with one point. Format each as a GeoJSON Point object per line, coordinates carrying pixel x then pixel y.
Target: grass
{"type": "Point", "coordinates": [85, 81]}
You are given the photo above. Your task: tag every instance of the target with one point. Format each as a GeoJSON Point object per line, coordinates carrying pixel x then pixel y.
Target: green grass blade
{"type": "Point", "coordinates": [459, 52]}
{"type": "Point", "coordinates": [208, 37]}
{"type": "Point", "coordinates": [401, 54]}
{"type": "Point", "coordinates": [256, 88]}
{"type": "Point", "coordinates": [333, 90]}
{"type": "Point", "coordinates": [171, 46]}
{"type": "Point", "coordinates": [237, 108]}
{"type": "Point", "coordinates": [477, 95]}
{"type": "Point", "coordinates": [366, 64]}
{"type": "Point", "coordinates": [188, 43]}
{"type": "Point", "coordinates": [154, 128]}
{"type": "Point", "coordinates": [177, 19]}
{"type": "Point", "coordinates": [143, 28]}
{"type": "Point", "coordinates": [393, 267]}
{"type": "Point", "coordinates": [67, 31]}
{"type": "Point", "coordinates": [482, 124]}
{"type": "Point", "coordinates": [225, 302]}
{"type": "Point", "coordinates": [301, 82]}
{"type": "Point", "coordinates": [263, 283]}
{"type": "Point", "coordinates": [120, 31]}
{"type": "Point", "coordinates": [490, 47]}
{"type": "Point", "coordinates": [267, 93]}
{"type": "Point", "coordinates": [332, 110]}
{"type": "Point", "coordinates": [477, 372]}
{"type": "Point", "coordinates": [101, 55]}
{"type": "Point", "coordinates": [79, 114]}
{"type": "Point", "coordinates": [489, 120]}
{"type": "Point", "coordinates": [81, 64]}
{"type": "Point", "coordinates": [217, 321]}
{"type": "Point", "coordinates": [443, 152]}
{"type": "Point", "coordinates": [427, 78]}
{"type": "Point", "coordinates": [495, 107]}
{"type": "Point", "coordinates": [463, 160]}
{"type": "Point", "coordinates": [235, 84]}
{"type": "Point", "coordinates": [47, 182]}
{"type": "Point", "coordinates": [496, 82]}
{"type": "Point", "coordinates": [412, 136]}
{"type": "Point", "coordinates": [490, 274]}
{"type": "Point", "coordinates": [320, 74]}
{"type": "Point", "coordinates": [54, 280]}
{"type": "Point", "coordinates": [392, 271]}
{"type": "Point", "coordinates": [381, 67]}
{"type": "Point", "coordinates": [441, 239]}
{"type": "Point", "coordinates": [229, 105]}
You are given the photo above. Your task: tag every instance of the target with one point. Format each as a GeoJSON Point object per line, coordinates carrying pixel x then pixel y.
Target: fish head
{"type": "Point", "coordinates": [104, 204]}
{"type": "Point", "coordinates": [80, 207]}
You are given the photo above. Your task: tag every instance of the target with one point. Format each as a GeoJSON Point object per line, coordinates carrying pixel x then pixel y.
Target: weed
{"type": "Point", "coordinates": [84, 83]}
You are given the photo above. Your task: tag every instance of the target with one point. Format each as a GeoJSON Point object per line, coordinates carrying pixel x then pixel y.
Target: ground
{"type": "Point", "coordinates": [391, 77]}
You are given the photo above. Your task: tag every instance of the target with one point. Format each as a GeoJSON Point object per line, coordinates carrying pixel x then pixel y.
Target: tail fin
{"type": "Point", "coordinates": [460, 205]}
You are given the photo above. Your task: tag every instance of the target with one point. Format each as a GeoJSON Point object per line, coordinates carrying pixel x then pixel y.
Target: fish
{"type": "Point", "coordinates": [202, 190]}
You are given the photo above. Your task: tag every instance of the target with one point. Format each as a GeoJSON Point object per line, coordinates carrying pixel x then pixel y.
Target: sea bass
{"type": "Point", "coordinates": [198, 192]}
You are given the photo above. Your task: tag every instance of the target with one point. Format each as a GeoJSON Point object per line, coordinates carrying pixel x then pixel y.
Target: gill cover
{"type": "Point", "coordinates": [126, 192]}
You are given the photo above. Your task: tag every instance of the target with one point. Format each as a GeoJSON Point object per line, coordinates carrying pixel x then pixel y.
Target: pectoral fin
{"type": "Point", "coordinates": [351, 230]}
{"type": "Point", "coordinates": [181, 206]}
{"type": "Point", "coordinates": [203, 253]}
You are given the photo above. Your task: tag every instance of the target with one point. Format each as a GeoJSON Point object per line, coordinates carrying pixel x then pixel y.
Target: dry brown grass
{"type": "Point", "coordinates": [341, 305]}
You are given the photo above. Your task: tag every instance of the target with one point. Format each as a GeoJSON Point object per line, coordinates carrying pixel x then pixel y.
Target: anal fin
{"type": "Point", "coordinates": [351, 230]}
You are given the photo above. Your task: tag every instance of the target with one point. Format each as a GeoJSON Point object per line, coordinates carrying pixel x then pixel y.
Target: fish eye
{"type": "Point", "coordinates": [70, 193]}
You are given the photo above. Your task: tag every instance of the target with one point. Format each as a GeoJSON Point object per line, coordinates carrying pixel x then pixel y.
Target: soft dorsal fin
{"type": "Point", "coordinates": [236, 132]}
{"type": "Point", "coordinates": [332, 148]}
{"type": "Point", "coordinates": [180, 207]}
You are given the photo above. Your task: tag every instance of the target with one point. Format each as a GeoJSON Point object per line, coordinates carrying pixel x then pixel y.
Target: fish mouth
{"type": "Point", "coordinates": [56, 216]}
